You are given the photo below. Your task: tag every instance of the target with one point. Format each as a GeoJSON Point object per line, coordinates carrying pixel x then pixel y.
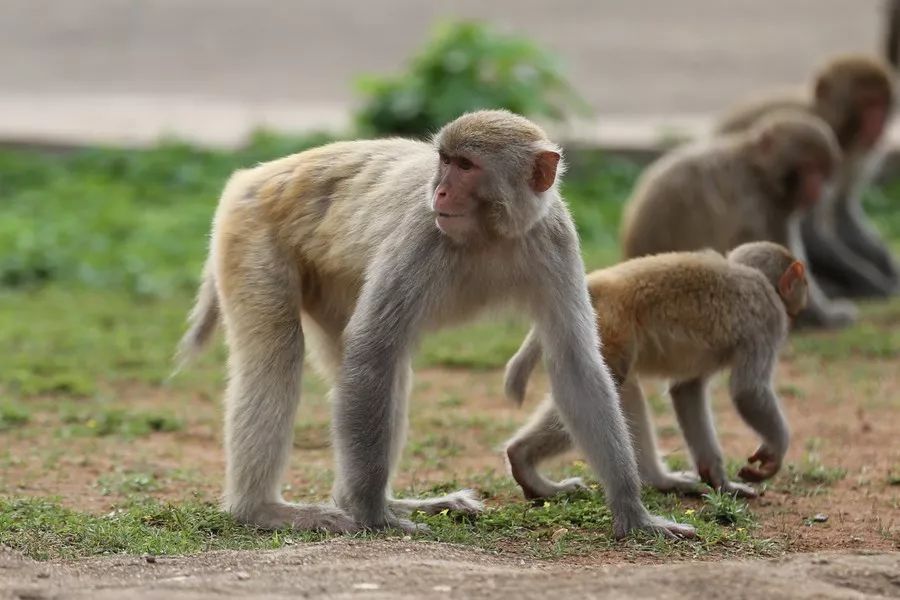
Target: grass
{"type": "Point", "coordinates": [579, 523]}
{"type": "Point", "coordinates": [100, 251]}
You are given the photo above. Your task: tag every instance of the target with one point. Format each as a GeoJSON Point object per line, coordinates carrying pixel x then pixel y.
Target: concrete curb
{"type": "Point", "coordinates": [62, 122]}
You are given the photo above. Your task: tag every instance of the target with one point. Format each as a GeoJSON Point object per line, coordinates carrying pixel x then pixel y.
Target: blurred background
{"type": "Point", "coordinates": [210, 70]}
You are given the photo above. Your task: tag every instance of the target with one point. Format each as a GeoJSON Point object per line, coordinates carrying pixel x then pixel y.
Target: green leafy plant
{"type": "Point", "coordinates": [466, 66]}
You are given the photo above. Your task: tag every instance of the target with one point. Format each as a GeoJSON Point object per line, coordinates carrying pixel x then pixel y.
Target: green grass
{"type": "Point", "coordinates": [575, 524]}
{"type": "Point", "coordinates": [116, 421]}
{"type": "Point", "coordinates": [12, 416]}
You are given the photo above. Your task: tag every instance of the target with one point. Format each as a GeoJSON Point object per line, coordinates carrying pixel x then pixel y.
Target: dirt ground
{"type": "Point", "coordinates": [401, 569]}
{"type": "Point", "coordinates": [842, 413]}
{"type": "Point", "coordinates": [836, 426]}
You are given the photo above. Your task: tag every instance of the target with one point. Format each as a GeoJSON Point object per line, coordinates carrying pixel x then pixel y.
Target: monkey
{"type": "Point", "coordinates": [682, 316]}
{"type": "Point", "coordinates": [359, 247]}
{"type": "Point", "coordinates": [892, 33]}
{"type": "Point", "coordinates": [730, 189]}
{"type": "Point", "coordinates": [855, 95]}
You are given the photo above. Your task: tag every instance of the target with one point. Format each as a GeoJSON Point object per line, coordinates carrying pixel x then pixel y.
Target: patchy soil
{"type": "Point", "coordinates": [843, 416]}
{"type": "Point", "coordinates": [405, 569]}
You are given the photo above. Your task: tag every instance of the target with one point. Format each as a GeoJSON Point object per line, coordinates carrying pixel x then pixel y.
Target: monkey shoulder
{"type": "Point", "coordinates": [745, 115]}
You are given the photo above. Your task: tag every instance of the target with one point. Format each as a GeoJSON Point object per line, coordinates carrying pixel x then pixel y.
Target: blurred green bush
{"type": "Point", "coordinates": [466, 66]}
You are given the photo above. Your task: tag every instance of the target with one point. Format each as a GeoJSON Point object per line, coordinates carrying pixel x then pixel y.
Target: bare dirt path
{"type": "Point", "coordinates": [403, 569]}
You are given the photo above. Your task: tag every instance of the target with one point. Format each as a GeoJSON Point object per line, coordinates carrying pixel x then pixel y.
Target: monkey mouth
{"type": "Point", "coordinates": [444, 215]}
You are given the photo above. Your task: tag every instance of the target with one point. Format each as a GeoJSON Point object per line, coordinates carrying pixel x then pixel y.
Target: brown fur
{"type": "Point", "coordinates": [843, 249]}
{"type": "Point", "coordinates": [681, 317]}
{"type": "Point", "coordinates": [731, 190]}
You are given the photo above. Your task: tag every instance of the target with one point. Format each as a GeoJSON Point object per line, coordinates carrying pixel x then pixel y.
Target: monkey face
{"type": "Point", "coordinates": [872, 112]}
{"type": "Point", "coordinates": [454, 200]}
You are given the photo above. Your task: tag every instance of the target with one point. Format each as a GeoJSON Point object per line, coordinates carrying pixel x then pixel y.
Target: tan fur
{"type": "Point", "coordinates": [341, 246]}
{"type": "Point", "coordinates": [681, 317]}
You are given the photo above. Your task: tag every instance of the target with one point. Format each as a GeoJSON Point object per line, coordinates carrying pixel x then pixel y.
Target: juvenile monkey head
{"type": "Point", "coordinates": [781, 268]}
{"type": "Point", "coordinates": [496, 174]}
{"type": "Point", "coordinates": [797, 153]}
{"type": "Point", "coordinates": [855, 94]}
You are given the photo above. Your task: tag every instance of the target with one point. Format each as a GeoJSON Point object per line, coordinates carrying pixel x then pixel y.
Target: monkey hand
{"type": "Point", "coordinates": [769, 464]}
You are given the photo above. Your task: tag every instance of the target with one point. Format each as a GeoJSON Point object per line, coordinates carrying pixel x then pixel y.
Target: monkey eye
{"type": "Point", "coordinates": [464, 163]}
{"type": "Point", "coordinates": [444, 158]}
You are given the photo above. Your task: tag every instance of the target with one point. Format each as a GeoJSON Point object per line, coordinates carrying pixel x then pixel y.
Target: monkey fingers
{"type": "Point", "coordinates": [768, 466]}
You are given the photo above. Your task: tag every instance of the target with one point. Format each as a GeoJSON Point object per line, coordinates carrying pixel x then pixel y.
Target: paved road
{"type": "Point", "coordinates": [209, 68]}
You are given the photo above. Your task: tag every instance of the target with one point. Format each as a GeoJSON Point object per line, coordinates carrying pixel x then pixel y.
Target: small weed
{"type": "Point", "coordinates": [118, 422]}
{"type": "Point", "coordinates": [726, 509]}
{"type": "Point", "coordinates": [12, 416]}
{"type": "Point", "coordinates": [450, 401]}
{"type": "Point", "coordinates": [126, 483]}
{"type": "Point", "coordinates": [893, 477]}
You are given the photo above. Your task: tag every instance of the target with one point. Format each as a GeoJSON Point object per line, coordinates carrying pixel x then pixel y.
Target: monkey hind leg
{"type": "Point", "coordinates": [266, 346]}
{"type": "Point", "coordinates": [543, 437]}
{"type": "Point", "coordinates": [653, 472]}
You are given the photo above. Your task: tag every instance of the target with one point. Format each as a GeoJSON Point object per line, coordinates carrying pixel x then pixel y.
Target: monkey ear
{"type": "Point", "coordinates": [543, 173]}
{"type": "Point", "coordinates": [794, 274]}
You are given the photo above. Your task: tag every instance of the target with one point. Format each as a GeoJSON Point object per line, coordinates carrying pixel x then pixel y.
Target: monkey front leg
{"type": "Point", "coordinates": [585, 397]}
{"type": "Point", "coordinates": [751, 391]}
{"type": "Point", "coordinates": [366, 416]}
{"type": "Point", "coordinates": [692, 411]}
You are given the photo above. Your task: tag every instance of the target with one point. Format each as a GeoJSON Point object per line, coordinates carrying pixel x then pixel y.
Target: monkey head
{"type": "Point", "coordinates": [781, 268]}
{"type": "Point", "coordinates": [855, 94]}
{"type": "Point", "coordinates": [797, 153]}
{"type": "Point", "coordinates": [494, 169]}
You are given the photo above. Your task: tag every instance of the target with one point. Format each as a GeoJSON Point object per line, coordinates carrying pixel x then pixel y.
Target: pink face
{"type": "Point", "coordinates": [454, 201]}
{"type": "Point", "coordinates": [813, 178]}
{"type": "Point", "coordinates": [873, 117]}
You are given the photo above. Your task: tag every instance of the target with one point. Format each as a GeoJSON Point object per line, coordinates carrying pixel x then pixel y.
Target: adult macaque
{"type": "Point", "coordinates": [748, 186]}
{"type": "Point", "coordinates": [359, 247]}
{"type": "Point", "coordinates": [855, 96]}
{"type": "Point", "coordinates": [682, 316]}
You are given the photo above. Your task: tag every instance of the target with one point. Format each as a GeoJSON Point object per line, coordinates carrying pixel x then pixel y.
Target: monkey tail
{"type": "Point", "coordinates": [202, 321]}
{"type": "Point", "coordinates": [520, 366]}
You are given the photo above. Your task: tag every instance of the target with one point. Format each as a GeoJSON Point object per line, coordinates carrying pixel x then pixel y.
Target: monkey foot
{"type": "Point", "coordinates": [683, 482]}
{"type": "Point", "coordinates": [307, 517]}
{"type": "Point", "coordinates": [464, 501]}
{"type": "Point", "coordinates": [654, 524]}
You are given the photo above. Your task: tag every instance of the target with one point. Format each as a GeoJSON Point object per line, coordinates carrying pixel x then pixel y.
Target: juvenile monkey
{"type": "Point", "coordinates": [855, 96]}
{"type": "Point", "coordinates": [748, 186]}
{"type": "Point", "coordinates": [681, 316]}
{"type": "Point", "coordinates": [359, 247]}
